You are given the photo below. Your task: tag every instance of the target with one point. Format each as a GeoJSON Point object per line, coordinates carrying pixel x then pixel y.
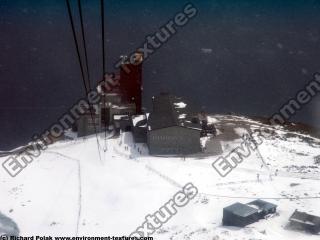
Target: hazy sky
{"type": "Point", "coordinates": [248, 57]}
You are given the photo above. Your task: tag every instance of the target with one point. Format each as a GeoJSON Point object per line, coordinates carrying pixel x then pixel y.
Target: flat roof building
{"type": "Point", "coordinates": [139, 128]}
{"type": "Point", "coordinates": [241, 215]}
{"type": "Point", "coordinates": [305, 222]}
{"type": "Point", "coordinates": [263, 207]}
{"type": "Point", "coordinates": [170, 129]}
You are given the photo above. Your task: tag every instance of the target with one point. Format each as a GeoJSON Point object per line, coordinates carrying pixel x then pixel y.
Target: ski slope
{"type": "Point", "coordinates": [69, 191]}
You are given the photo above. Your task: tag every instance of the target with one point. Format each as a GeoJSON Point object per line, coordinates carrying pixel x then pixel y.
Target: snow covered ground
{"type": "Point", "coordinates": [69, 191]}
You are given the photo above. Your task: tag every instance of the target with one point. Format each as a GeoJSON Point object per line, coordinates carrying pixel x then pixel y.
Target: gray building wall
{"type": "Point", "coordinates": [173, 140]}
{"type": "Point", "coordinates": [305, 222]}
{"type": "Point", "coordinates": [125, 109]}
{"type": "Point", "coordinates": [139, 134]}
{"type": "Point", "coordinates": [85, 125]}
{"type": "Point", "coordinates": [231, 219]}
{"type": "Point", "coordinates": [113, 98]}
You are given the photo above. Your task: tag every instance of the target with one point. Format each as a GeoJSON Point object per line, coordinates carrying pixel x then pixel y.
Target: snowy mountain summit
{"type": "Point", "coordinates": [68, 191]}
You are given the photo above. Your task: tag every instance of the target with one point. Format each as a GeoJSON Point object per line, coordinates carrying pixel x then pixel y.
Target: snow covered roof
{"type": "Point", "coordinates": [305, 219]}
{"type": "Point", "coordinates": [123, 106]}
{"type": "Point", "coordinates": [262, 205]}
{"type": "Point", "coordinates": [138, 118]}
{"type": "Point", "coordinates": [182, 116]}
{"type": "Point", "coordinates": [113, 94]}
{"type": "Point", "coordinates": [119, 117]}
{"type": "Point", "coordinates": [180, 105]}
{"type": "Point", "coordinates": [169, 111]}
{"type": "Point", "coordinates": [241, 210]}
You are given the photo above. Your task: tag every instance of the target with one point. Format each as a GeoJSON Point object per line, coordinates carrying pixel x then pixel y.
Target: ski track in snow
{"type": "Point", "coordinates": [79, 187]}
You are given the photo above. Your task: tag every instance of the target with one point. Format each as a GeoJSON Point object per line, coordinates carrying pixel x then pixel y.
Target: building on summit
{"type": "Point", "coordinates": [171, 128]}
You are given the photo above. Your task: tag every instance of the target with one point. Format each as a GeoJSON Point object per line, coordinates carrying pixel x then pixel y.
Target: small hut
{"type": "Point", "coordinates": [263, 207]}
{"type": "Point", "coordinates": [241, 215]}
{"type": "Point", "coordinates": [305, 222]}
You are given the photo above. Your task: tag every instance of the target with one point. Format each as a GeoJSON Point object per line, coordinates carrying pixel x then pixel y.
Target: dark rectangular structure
{"type": "Point", "coordinates": [125, 124]}
{"type": "Point", "coordinates": [139, 128]}
{"type": "Point", "coordinates": [87, 124]}
{"type": "Point", "coordinates": [241, 215]}
{"type": "Point", "coordinates": [264, 207]}
{"type": "Point", "coordinates": [131, 81]}
{"type": "Point", "coordinates": [305, 222]}
{"type": "Point", "coordinates": [170, 129]}
{"type": "Point", "coordinates": [174, 140]}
